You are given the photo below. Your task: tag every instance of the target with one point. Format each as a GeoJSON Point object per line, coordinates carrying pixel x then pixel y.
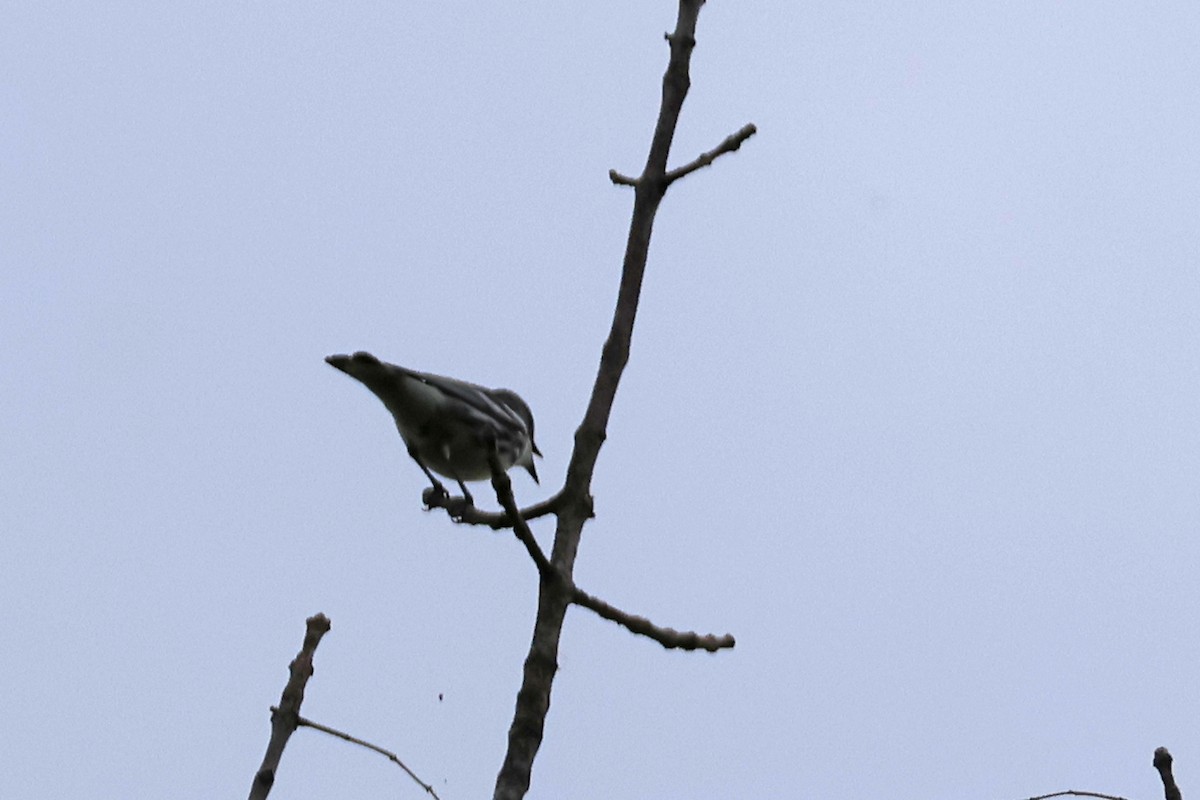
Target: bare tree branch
{"type": "Point", "coordinates": [1073, 793]}
{"type": "Point", "coordinates": [469, 515]}
{"type": "Point", "coordinates": [621, 180]}
{"type": "Point", "coordinates": [395, 759]}
{"type": "Point", "coordinates": [533, 698]}
{"type": "Point", "coordinates": [504, 494]}
{"type": "Point", "coordinates": [667, 637]}
{"type": "Point", "coordinates": [575, 501]}
{"type": "Point", "coordinates": [285, 718]}
{"type": "Point", "coordinates": [1162, 763]}
{"type": "Point", "coordinates": [730, 144]}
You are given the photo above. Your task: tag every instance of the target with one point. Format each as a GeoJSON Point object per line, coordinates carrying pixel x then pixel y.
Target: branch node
{"type": "Point", "coordinates": [533, 699]}
{"type": "Point", "coordinates": [685, 40]}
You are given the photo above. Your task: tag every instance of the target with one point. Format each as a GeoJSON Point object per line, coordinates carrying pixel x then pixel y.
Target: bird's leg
{"type": "Point", "coordinates": [438, 489]}
{"type": "Point", "coordinates": [466, 493]}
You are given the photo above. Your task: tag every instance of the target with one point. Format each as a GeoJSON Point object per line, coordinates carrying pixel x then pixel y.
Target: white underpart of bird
{"type": "Point", "coordinates": [449, 426]}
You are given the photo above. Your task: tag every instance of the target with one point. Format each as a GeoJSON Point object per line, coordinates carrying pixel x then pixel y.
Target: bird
{"type": "Point", "coordinates": [449, 426]}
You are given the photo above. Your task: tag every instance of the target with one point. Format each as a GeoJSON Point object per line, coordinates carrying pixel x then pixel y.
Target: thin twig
{"type": "Point", "coordinates": [308, 723]}
{"type": "Point", "coordinates": [285, 717]}
{"type": "Point", "coordinates": [1074, 793]}
{"type": "Point", "coordinates": [667, 637]}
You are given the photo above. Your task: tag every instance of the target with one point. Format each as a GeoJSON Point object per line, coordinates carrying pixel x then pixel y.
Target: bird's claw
{"type": "Point", "coordinates": [435, 496]}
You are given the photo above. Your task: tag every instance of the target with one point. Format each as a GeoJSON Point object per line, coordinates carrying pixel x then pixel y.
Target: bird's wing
{"type": "Point", "coordinates": [478, 398]}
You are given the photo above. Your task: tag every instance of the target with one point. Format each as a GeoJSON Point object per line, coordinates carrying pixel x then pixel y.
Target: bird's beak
{"type": "Point", "coordinates": [533, 447]}
{"type": "Point", "coordinates": [532, 470]}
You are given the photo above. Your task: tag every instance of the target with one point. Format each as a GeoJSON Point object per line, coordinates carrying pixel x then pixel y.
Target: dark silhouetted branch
{"type": "Point", "coordinates": [667, 637]}
{"type": "Point", "coordinates": [1162, 763]}
{"type": "Point", "coordinates": [395, 759]}
{"type": "Point", "coordinates": [731, 143]}
{"type": "Point", "coordinates": [504, 495]}
{"type": "Point", "coordinates": [286, 716]}
{"type": "Point", "coordinates": [574, 505]}
{"type": "Point", "coordinates": [460, 511]}
{"type": "Point", "coordinates": [1073, 793]}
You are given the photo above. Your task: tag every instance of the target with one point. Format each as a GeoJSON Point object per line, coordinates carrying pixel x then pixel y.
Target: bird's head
{"type": "Point", "coordinates": [521, 409]}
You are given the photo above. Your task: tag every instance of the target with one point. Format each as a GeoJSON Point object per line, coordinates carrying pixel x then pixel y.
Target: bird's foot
{"type": "Point", "coordinates": [435, 496]}
{"type": "Point", "coordinates": [459, 506]}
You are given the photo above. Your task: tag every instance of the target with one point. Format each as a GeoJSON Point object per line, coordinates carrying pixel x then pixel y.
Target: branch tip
{"type": "Point", "coordinates": [730, 144]}
{"type": "Point", "coordinates": [620, 180]}
{"type": "Point", "coordinates": [285, 717]}
{"type": "Point", "coordinates": [667, 637]}
{"type": "Point", "coordinates": [1162, 763]}
{"type": "Point", "coordinates": [395, 759]}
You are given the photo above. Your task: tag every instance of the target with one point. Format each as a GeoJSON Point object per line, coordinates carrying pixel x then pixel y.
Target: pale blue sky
{"type": "Point", "coordinates": [912, 408]}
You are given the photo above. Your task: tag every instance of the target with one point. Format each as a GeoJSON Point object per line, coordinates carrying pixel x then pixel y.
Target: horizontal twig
{"type": "Point", "coordinates": [667, 637]}
{"type": "Point", "coordinates": [1074, 793]}
{"type": "Point", "coordinates": [460, 511]}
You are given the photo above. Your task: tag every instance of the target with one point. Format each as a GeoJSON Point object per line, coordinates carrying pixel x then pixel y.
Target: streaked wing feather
{"type": "Point", "coordinates": [476, 397]}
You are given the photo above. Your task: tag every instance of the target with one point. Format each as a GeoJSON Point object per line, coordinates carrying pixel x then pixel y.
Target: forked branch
{"type": "Point", "coordinates": [574, 504]}
{"type": "Point", "coordinates": [731, 143]}
{"type": "Point", "coordinates": [286, 716]}
{"type": "Point", "coordinates": [667, 637]}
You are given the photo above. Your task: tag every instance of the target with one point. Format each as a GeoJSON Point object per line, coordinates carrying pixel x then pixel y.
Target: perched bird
{"type": "Point", "coordinates": [449, 426]}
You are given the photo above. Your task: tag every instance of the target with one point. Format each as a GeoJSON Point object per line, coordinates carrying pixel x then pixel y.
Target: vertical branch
{"type": "Point", "coordinates": [541, 664]}
{"type": "Point", "coordinates": [533, 698]}
{"type": "Point", "coordinates": [1162, 763]}
{"type": "Point", "coordinates": [648, 193]}
{"type": "Point", "coordinates": [286, 717]}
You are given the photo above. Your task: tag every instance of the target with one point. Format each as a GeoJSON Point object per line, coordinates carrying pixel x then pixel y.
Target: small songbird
{"type": "Point", "coordinates": [449, 426]}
